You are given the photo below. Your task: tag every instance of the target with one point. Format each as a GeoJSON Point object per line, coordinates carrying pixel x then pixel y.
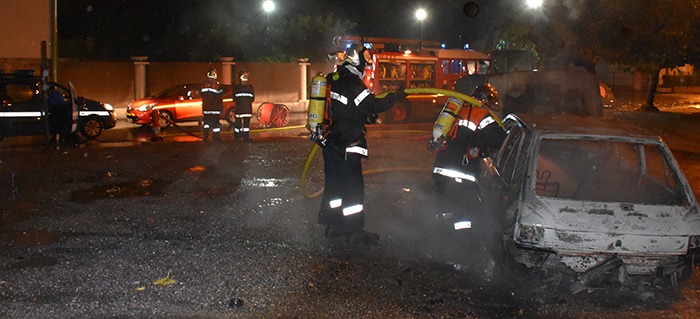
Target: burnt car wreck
{"type": "Point", "coordinates": [598, 200]}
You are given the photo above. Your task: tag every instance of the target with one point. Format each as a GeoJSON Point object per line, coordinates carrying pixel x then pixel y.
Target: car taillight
{"type": "Point", "coordinates": [530, 234]}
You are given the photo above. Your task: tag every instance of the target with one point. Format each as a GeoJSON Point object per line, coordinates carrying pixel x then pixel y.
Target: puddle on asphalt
{"type": "Point", "coordinates": [129, 189]}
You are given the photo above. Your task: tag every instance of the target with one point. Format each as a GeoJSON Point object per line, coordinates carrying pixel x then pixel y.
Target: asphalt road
{"type": "Point", "coordinates": [87, 231]}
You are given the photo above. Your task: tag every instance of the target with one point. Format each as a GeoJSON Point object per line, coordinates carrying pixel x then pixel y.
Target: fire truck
{"type": "Point", "coordinates": [406, 63]}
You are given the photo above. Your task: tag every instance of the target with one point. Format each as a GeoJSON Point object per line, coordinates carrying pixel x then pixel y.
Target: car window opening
{"type": "Point", "coordinates": [603, 170]}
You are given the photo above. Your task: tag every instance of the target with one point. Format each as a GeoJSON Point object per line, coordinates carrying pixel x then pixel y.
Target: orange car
{"type": "Point", "coordinates": [181, 103]}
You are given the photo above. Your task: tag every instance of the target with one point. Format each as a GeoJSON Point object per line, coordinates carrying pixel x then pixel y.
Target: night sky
{"type": "Point", "coordinates": [446, 21]}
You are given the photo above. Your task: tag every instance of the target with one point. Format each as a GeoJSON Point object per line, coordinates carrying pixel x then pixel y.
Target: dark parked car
{"type": "Point", "coordinates": [595, 198]}
{"type": "Point", "coordinates": [181, 103]}
{"type": "Point", "coordinates": [22, 110]}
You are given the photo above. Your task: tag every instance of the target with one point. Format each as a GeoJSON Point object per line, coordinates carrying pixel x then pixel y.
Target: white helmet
{"type": "Point", "coordinates": [357, 55]}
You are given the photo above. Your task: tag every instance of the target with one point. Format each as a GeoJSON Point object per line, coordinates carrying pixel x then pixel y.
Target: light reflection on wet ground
{"type": "Point", "coordinates": [260, 182]}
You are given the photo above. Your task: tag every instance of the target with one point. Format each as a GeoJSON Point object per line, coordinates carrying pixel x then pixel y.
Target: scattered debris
{"type": "Point", "coordinates": [165, 281]}
{"type": "Point", "coordinates": [236, 303]}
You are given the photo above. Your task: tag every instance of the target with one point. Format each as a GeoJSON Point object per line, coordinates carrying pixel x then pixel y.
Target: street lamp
{"type": "Point", "coordinates": [534, 4]}
{"type": "Point", "coordinates": [268, 6]}
{"type": "Point", "coordinates": [421, 14]}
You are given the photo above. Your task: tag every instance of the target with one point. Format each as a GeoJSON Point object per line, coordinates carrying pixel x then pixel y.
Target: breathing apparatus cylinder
{"type": "Point", "coordinates": [317, 103]}
{"type": "Point", "coordinates": [447, 118]}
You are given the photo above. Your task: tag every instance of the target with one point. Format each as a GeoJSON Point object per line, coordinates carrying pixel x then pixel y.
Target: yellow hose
{"type": "Point", "coordinates": [302, 181]}
{"type": "Point", "coordinates": [457, 95]}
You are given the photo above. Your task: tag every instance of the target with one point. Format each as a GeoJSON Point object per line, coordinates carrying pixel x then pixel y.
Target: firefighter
{"type": "Point", "coordinates": [351, 106]}
{"type": "Point", "coordinates": [243, 95]}
{"type": "Point", "coordinates": [60, 116]}
{"type": "Point", "coordinates": [474, 135]}
{"type": "Point", "coordinates": [212, 106]}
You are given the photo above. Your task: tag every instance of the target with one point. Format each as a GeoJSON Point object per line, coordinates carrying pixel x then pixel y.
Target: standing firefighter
{"type": "Point", "coordinates": [352, 105]}
{"type": "Point", "coordinates": [212, 105]}
{"type": "Point", "coordinates": [243, 95]}
{"type": "Point", "coordinates": [60, 116]}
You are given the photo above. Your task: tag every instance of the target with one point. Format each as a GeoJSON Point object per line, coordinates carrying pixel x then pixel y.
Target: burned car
{"type": "Point", "coordinates": [598, 199]}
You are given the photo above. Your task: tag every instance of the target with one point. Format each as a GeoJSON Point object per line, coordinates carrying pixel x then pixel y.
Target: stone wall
{"type": "Point", "coordinates": [113, 82]}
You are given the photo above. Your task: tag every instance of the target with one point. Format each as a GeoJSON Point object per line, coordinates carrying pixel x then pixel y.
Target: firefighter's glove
{"type": "Point", "coordinates": [434, 145]}
{"type": "Point", "coordinates": [371, 119]}
{"type": "Point", "coordinates": [400, 94]}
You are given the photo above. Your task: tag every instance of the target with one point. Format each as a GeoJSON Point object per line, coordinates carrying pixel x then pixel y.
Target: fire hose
{"type": "Point", "coordinates": [252, 131]}
{"type": "Point", "coordinates": [457, 95]}
{"type": "Point", "coordinates": [167, 119]}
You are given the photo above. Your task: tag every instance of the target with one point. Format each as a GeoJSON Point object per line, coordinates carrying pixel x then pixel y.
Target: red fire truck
{"type": "Point", "coordinates": [401, 63]}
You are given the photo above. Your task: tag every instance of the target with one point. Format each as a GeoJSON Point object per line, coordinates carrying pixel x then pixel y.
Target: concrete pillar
{"type": "Point", "coordinates": [304, 64]}
{"type": "Point", "coordinates": [226, 74]}
{"type": "Point", "coordinates": [139, 76]}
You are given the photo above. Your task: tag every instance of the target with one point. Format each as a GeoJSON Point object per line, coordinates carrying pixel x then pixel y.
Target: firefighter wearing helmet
{"type": "Point", "coordinates": [212, 105]}
{"type": "Point", "coordinates": [243, 96]}
{"type": "Point", "coordinates": [351, 106]}
{"type": "Point", "coordinates": [474, 135]}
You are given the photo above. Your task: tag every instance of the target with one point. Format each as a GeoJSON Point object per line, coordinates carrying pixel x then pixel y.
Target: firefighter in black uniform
{"type": "Point", "coordinates": [474, 135]}
{"type": "Point", "coordinates": [243, 95]}
{"type": "Point", "coordinates": [352, 106]}
{"type": "Point", "coordinates": [212, 105]}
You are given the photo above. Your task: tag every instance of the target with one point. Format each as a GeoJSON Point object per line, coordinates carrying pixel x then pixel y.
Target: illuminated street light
{"type": "Point", "coordinates": [268, 6]}
{"type": "Point", "coordinates": [534, 4]}
{"type": "Point", "coordinates": [421, 14]}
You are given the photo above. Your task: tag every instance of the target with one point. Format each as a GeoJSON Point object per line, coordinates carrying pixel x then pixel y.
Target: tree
{"type": "Point", "coordinates": [193, 30]}
{"type": "Point", "coordinates": [289, 40]}
{"type": "Point", "coordinates": [648, 35]}
{"type": "Point", "coordinates": [651, 35]}
{"type": "Point", "coordinates": [560, 33]}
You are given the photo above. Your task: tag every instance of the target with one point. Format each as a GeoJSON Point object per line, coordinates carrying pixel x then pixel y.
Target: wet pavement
{"type": "Point", "coordinates": [87, 230]}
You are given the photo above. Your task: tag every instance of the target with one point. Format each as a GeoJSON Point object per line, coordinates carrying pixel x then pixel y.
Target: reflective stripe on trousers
{"type": "Point", "coordinates": [453, 173]}
{"type": "Point", "coordinates": [347, 211]}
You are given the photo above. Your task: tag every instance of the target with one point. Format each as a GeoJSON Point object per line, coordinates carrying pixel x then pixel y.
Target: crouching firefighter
{"type": "Point", "coordinates": [350, 105]}
{"type": "Point", "coordinates": [212, 105]}
{"type": "Point", "coordinates": [463, 135]}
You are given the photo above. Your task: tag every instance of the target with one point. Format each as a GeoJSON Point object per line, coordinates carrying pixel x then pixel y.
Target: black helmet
{"type": "Point", "coordinates": [212, 74]}
{"type": "Point", "coordinates": [487, 95]}
{"type": "Point", "coordinates": [358, 56]}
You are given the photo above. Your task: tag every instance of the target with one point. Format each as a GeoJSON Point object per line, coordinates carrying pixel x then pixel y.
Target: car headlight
{"type": "Point", "coordinates": [108, 107]}
{"type": "Point", "coordinates": [146, 107]}
{"type": "Point", "coordinates": [693, 242]}
{"type": "Point", "coordinates": [530, 234]}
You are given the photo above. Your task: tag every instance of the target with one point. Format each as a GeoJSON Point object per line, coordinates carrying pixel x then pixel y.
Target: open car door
{"type": "Point", "coordinates": [75, 108]}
